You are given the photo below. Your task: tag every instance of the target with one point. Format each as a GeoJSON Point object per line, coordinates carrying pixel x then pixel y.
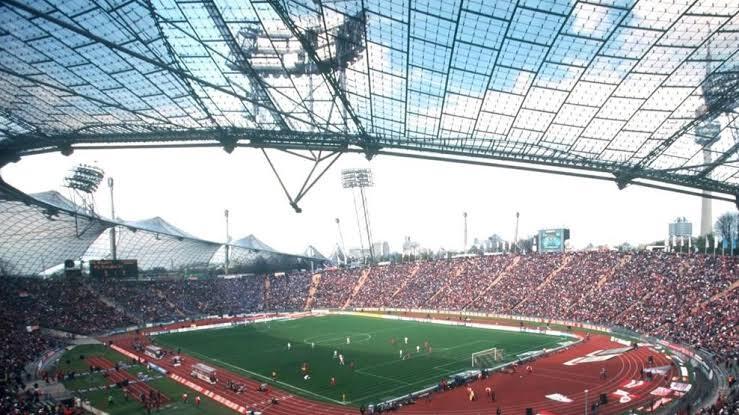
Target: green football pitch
{"type": "Point", "coordinates": [379, 373]}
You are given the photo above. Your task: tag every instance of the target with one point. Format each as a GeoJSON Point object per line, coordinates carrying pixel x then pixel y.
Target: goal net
{"type": "Point", "coordinates": [487, 358]}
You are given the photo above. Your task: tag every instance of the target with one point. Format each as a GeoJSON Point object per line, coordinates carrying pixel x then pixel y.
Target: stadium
{"type": "Point", "coordinates": [574, 123]}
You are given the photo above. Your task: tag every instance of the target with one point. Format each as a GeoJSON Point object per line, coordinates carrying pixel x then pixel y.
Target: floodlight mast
{"type": "Point", "coordinates": [228, 242]}
{"type": "Point", "coordinates": [464, 214]}
{"type": "Point", "coordinates": [113, 248]}
{"type": "Point", "coordinates": [83, 181]}
{"type": "Point", "coordinates": [341, 241]}
{"type": "Point", "coordinates": [360, 179]}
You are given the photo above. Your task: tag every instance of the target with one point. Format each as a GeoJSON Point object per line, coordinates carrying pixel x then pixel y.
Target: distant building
{"type": "Point", "coordinates": [410, 247]}
{"type": "Point", "coordinates": [681, 227]}
{"type": "Point", "coordinates": [381, 248]}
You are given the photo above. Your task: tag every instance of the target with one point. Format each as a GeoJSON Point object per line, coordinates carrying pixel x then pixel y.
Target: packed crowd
{"type": "Point", "coordinates": [335, 287]}
{"type": "Point", "coordinates": [20, 345]}
{"type": "Point", "coordinates": [429, 278]}
{"type": "Point", "coordinates": [476, 275]}
{"type": "Point", "coordinates": [287, 292]}
{"type": "Point", "coordinates": [520, 280]}
{"type": "Point", "coordinates": [382, 283]}
{"type": "Point", "coordinates": [67, 305]}
{"type": "Point", "coordinates": [676, 297]}
{"type": "Point", "coordinates": [556, 298]}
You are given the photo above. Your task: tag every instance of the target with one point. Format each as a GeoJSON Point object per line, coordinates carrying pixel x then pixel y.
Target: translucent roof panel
{"type": "Point", "coordinates": [35, 239]}
{"type": "Point", "coordinates": [155, 250]}
{"type": "Point", "coordinates": [254, 261]}
{"type": "Point", "coordinates": [39, 232]}
{"type": "Point", "coordinates": [633, 88]}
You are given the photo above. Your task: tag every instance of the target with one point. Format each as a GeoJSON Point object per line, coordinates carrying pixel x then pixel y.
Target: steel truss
{"type": "Point", "coordinates": [504, 83]}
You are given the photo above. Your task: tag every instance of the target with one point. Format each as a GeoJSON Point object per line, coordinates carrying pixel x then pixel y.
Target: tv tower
{"type": "Point", "coordinates": [707, 133]}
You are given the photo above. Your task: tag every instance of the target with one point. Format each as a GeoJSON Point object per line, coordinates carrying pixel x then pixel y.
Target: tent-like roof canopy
{"type": "Point", "coordinates": [632, 90]}
{"type": "Point", "coordinates": [252, 242]}
{"type": "Point", "coordinates": [39, 232]}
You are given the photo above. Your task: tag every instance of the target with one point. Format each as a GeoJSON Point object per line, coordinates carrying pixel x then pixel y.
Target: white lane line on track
{"type": "Point", "coordinates": [260, 376]}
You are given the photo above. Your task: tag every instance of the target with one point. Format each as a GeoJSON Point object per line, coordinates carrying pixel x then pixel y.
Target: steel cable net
{"type": "Point", "coordinates": [247, 260]}
{"type": "Point", "coordinates": [39, 232]}
{"type": "Point", "coordinates": [618, 87]}
{"type": "Point", "coordinates": [35, 239]}
{"type": "Point", "coordinates": [155, 250]}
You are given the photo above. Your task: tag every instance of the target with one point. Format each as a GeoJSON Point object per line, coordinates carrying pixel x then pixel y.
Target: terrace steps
{"type": "Point", "coordinates": [458, 270]}
{"type": "Point", "coordinates": [607, 276]}
{"type": "Point", "coordinates": [311, 298]}
{"type": "Point", "coordinates": [412, 275]}
{"type": "Point", "coordinates": [495, 282]}
{"type": "Point", "coordinates": [114, 305]}
{"type": "Point", "coordinates": [640, 301]}
{"type": "Point", "coordinates": [360, 283]}
{"type": "Point", "coordinates": [552, 275]}
{"type": "Point", "coordinates": [171, 304]}
{"type": "Point", "coordinates": [601, 282]}
{"type": "Point", "coordinates": [266, 294]}
{"type": "Point", "coordinates": [720, 295]}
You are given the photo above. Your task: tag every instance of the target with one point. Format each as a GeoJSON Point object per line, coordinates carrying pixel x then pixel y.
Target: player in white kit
{"type": "Point", "coordinates": [405, 339]}
{"type": "Point", "coordinates": [341, 360]}
{"type": "Point", "coordinates": [289, 346]}
{"type": "Point", "coordinates": [348, 340]}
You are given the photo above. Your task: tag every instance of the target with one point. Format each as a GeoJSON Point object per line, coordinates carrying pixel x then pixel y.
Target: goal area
{"type": "Point", "coordinates": [487, 358]}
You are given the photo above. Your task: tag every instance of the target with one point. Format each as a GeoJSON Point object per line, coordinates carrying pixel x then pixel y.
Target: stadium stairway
{"type": "Point", "coordinates": [412, 275]}
{"type": "Point", "coordinates": [544, 284]}
{"type": "Point", "coordinates": [360, 283]}
{"type": "Point", "coordinates": [500, 276]}
{"type": "Point", "coordinates": [601, 282]}
{"type": "Point", "coordinates": [458, 270]}
{"type": "Point", "coordinates": [722, 294]}
{"type": "Point", "coordinates": [112, 304]}
{"type": "Point", "coordinates": [310, 299]}
{"type": "Point", "coordinates": [552, 275]}
{"type": "Point", "coordinates": [607, 276]}
{"type": "Point", "coordinates": [169, 302]}
{"type": "Point", "coordinates": [625, 312]}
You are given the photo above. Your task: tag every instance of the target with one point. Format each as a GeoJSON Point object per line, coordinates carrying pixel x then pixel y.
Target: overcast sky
{"type": "Point", "coordinates": [422, 199]}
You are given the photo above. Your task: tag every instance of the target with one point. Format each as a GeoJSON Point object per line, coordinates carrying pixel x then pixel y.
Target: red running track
{"type": "Point", "coordinates": [135, 387]}
{"type": "Point", "coordinates": [514, 392]}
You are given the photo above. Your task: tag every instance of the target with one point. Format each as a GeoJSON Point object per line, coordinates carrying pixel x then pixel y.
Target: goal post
{"type": "Point", "coordinates": [487, 358]}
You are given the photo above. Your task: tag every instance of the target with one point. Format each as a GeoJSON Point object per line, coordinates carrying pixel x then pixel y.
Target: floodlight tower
{"type": "Point", "coordinates": [113, 248]}
{"type": "Point", "coordinates": [228, 242]}
{"type": "Point", "coordinates": [464, 214]}
{"type": "Point", "coordinates": [360, 179]}
{"type": "Point", "coordinates": [515, 234]}
{"type": "Point", "coordinates": [83, 181]}
{"type": "Point", "coordinates": [340, 243]}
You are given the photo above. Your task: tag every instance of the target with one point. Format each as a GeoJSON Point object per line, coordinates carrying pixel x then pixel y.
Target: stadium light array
{"type": "Point", "coordinates": [84, 178]}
